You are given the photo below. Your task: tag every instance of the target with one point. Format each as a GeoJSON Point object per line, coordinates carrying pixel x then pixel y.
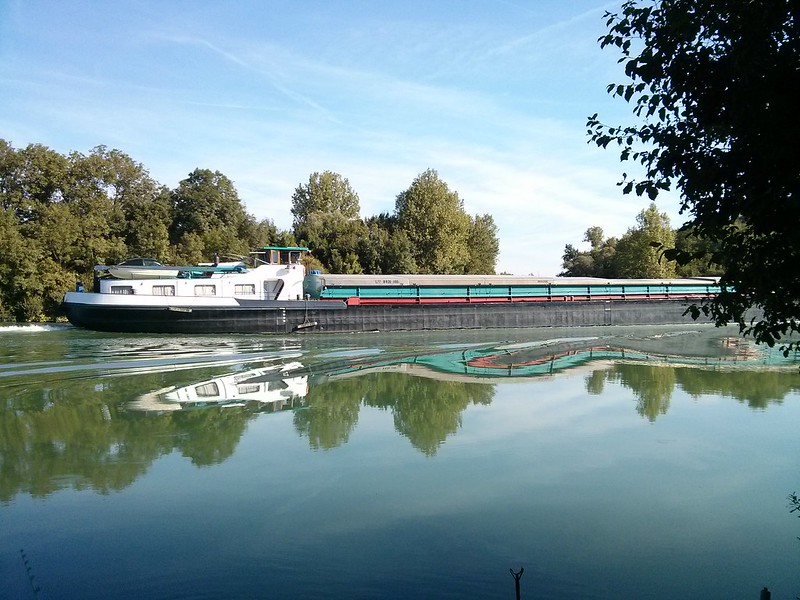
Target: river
{"type": "Point", "coordinates": [643, 462]}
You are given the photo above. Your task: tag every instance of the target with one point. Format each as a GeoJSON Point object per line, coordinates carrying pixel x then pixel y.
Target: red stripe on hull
{"type": "Point", "coordinates": [357, 301]}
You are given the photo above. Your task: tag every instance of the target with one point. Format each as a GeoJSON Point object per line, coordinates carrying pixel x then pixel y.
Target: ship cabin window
{"type": "Point", "coordinates": [122, 289]}
{"type": "Point", "coordinates": [248, 388]}
{"type": "Point", "coordinates": [245, 289]}
{"type": "Point", "coordinates": [279, 255]}
{"type": "Point", "coordinates": [207, 390]}
{"type": "Point", "coordinates": [163, 290]}
{"type": "Point", "coordinates": [205, 290]}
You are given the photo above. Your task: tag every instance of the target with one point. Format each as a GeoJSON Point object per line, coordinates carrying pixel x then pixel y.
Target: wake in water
{"type": "Point", "coordinates": [32, 328]}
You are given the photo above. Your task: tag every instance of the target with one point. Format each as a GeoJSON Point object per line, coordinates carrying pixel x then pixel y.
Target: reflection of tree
{"type": "Point", "coordinates": [596, 382]}
{"type": "Point", "coordinates": [757, 388]}
{"type": "Point", "coordinates": [426, 411]}
{"type": "Point", "coordinates": [331, 413]}
{"type": "Point", "coordinates": [653, 385]}
{"type": "Point", "coordinates": [77, 444]}
{"type": "Point", "coordinates": [80, 436]}
{"type": "Point", "coordinates": [209, 436]}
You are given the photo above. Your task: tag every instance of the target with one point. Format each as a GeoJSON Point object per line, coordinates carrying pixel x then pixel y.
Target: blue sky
{"type": "Point", "coordinates": [493, 94]}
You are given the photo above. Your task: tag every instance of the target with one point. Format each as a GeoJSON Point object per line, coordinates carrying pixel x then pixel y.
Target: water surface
{"type": "Point", "coordinates": [609, 463]}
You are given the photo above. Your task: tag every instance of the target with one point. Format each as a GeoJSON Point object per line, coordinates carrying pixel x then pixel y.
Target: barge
{"type": "Point", "coordinates": [275, 295]}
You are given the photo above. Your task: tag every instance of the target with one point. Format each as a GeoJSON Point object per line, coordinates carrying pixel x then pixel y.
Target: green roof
{"type": "Point", "coordinates": [291, 248]}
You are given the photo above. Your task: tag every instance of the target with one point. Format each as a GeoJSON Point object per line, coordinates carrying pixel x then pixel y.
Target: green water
{"type": "Point", "coordinates": [609, 463]}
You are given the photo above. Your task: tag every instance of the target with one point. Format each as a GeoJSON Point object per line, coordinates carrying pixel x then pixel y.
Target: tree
{"type": "Point", "coordinates": [31, 178]}
{"type": "Point", "coordinates": [136, 208]}
{"type": "Point", "coordinates": [92, 196]}
{"type": "Point", "coordinates": [598, 261]}
{"type": "Point", "coordinates": [325, 192]}
{"type": "Point", "coordinates": [483, 245]}
{"type": "Point", "coordinates": [372, 247]}
{"type": "Point", "coordinates": [39, 232]}
{"type": "Point", "coordinates": [260, 233]}
{"type": "Point", "coordinates": [147, 218]}
{"type": "Point", "coordinates": [17, 268]}
{"type": "Point", "coordinates": [698, 254]}
{"type": "Point", "coordinates": [576, 263]}
{"type": "Point", "coordinates": [399, 254]}
{"type": "Point", "coordinates": [208, 217]}
{"type": "Point", "coordinates": [434, 220]}
{"type": "Point", "coordinates": [712, 84]}
{"type": "Point", "coordinates": [385, 248]}
{"type": "Point", "coordinates": [334, 240]}
{"type": "Point", "coordinates": [326, 218]}
{"type": "Point", "coordinates": [594, 235]}
{"type": "Point", "coordinates": [638, 253]}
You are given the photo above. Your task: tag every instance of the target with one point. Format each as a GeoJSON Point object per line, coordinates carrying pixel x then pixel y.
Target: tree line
{"type": "Point", "coordinates": [60, 215]}
{"type": "Point", "coordinates": [429, 231]}
{"type": "Point", "coordinates": [640, 252]}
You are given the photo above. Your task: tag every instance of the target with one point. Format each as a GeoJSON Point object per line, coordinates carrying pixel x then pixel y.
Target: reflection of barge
{"type": "Point", "coordinates": [521, 361]}
{"type": "Point", "coordinates": [264, 386]}
{"type": "Point", "coordinates": [274, 387]}
{"type": "Point", "coordinates": [275, 296]}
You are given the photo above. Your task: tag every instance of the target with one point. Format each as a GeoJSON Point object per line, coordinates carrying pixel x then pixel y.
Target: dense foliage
{"type": "Point", "coordinates": [429, 232]}
{"type": "Point", "coordinates": [639, 253]}
{"type": "Point", "coordinates": [713, 87]}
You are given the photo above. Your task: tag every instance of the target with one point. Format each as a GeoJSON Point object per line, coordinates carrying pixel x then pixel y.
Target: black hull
{"type": "Point", "coordinates": [336, 317]}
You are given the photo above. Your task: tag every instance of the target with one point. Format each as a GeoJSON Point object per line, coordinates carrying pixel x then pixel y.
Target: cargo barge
{"type": "Point", "coordinates": [275, 295]}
